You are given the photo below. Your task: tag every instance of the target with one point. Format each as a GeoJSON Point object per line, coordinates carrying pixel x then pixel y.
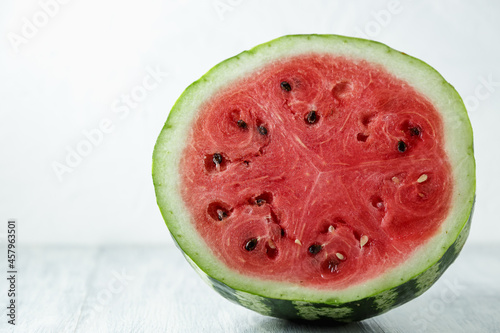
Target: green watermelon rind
{"type": "Point", "coordinates": [370, 306]}
{"type": "Point", "coordinates": [423, 78]}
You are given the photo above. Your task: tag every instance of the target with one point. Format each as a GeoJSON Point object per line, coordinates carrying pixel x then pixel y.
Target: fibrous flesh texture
{"type": "Point", "coordinates": [316, 170]}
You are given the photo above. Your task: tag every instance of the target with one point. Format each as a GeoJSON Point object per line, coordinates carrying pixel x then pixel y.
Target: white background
{"type": "Point", "coordinates": [68, 74]}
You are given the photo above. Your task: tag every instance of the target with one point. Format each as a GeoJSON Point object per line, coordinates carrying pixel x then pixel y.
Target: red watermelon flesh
{"type": "Point", "coordinates": [317, 170]}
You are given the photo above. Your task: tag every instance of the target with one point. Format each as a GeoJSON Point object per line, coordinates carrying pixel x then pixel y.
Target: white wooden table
{"type": "Point", "coordinates": [153, 289]}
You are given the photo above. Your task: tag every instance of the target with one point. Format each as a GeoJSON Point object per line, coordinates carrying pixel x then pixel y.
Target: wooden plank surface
{"type": "Point", "coordinates": [153, 289]}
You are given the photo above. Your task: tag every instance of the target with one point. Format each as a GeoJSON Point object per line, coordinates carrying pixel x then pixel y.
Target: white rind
{"type": "Point", "coordinates": [423, 78]}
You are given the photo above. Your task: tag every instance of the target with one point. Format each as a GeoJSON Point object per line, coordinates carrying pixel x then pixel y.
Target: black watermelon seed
{"type": "Point", "coordinates": [217, 158]}
{"type": "Point", "coordinates": [401, 146]}
{"type": "Point", "coordinates": [285, 86]}
{"type": "Point", "coordinates": [311, 117]}
{"type": "Point", "coordinates": [242, 124]}
{"type": "Point", "coordinates": [251, 244]}
{"type": "Point", "coordinates": [265, 198]}
{"type": "Point", "coordinates": [315, 248]}
{"type": "Point", "coordinates": [221, 214]}
{"type": "Point", "coordinates": [414, 131]}
{"type": "Point", "coordinates": [283, 232]}
{"type": "Point", "coordinates": [262, 130]}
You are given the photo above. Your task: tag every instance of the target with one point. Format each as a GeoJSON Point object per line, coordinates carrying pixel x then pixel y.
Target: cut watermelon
{"type": "Point", "coordinates": [318, 176]}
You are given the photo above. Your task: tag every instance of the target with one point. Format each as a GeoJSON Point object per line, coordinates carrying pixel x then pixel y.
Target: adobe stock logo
{"type": "Point", "coordinates": [94, 137]}
{"type": "Point", "coordinates": [483, 90]}
{"type": "Point", "coordinates": [30, 27]}
{"type": "Point", "coordinates": [381, 19]}
{"type": "Point", "coordinates": [450, 293]}
{"type": "Point", "coordinates": [116, 285]}
{"type": "Point", "coordinates": [224, 6]}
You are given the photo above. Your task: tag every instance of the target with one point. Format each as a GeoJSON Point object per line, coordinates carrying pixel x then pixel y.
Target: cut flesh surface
{"type": "Point", "coordinates": [318, 171]}
{"type": "Point", "coordinates": [318, 176]}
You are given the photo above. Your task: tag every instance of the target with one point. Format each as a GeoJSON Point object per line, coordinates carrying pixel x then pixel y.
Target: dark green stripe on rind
{"type": "Point", "coordinates": [166, 181]}
{"type": "Point", "coordinates": [347, 312]}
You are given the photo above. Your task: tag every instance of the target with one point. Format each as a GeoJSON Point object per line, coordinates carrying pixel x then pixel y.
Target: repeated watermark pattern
{"type": "Point", "coordinates": [483, 91]}
{"type": "Point", "coordinates": [222, 7]}
{"type": "Point", "coordinates": [450, 293]}
{"type": "Point", "coordinates": [30, 26]}
{"type": "Point", "coordinates": [381, 19]}
{"type": "Point", "coordinates": [94, 137]}
{"type": "Point", "coordinates": [116, 285]}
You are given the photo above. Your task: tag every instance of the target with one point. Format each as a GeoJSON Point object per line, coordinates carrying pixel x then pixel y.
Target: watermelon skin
{"type": "Point", "coordinates": [298, 310]}
{"type": "Point", "coordinates": [287, 303]}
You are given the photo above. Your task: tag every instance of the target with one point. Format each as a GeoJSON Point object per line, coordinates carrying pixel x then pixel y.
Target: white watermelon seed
{"type": "Point", "coordinates": [332, 266]}
{"type": "Point", "coordinates": [331, 228]}
{"type": "Point", "coordinates": [340, 256]}
{"type": "Point", "coordinates": [298, 242]}
{"type": "Point", "coordinates": [395, 180]}
{"type": "Point", "coordinates": [363, 240]}
{"type": "Point", "coordinates": [422, 178]}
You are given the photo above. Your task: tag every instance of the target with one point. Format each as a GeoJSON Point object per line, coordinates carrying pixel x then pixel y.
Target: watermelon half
{"type": "Point", "coordinates": [318, 176]}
